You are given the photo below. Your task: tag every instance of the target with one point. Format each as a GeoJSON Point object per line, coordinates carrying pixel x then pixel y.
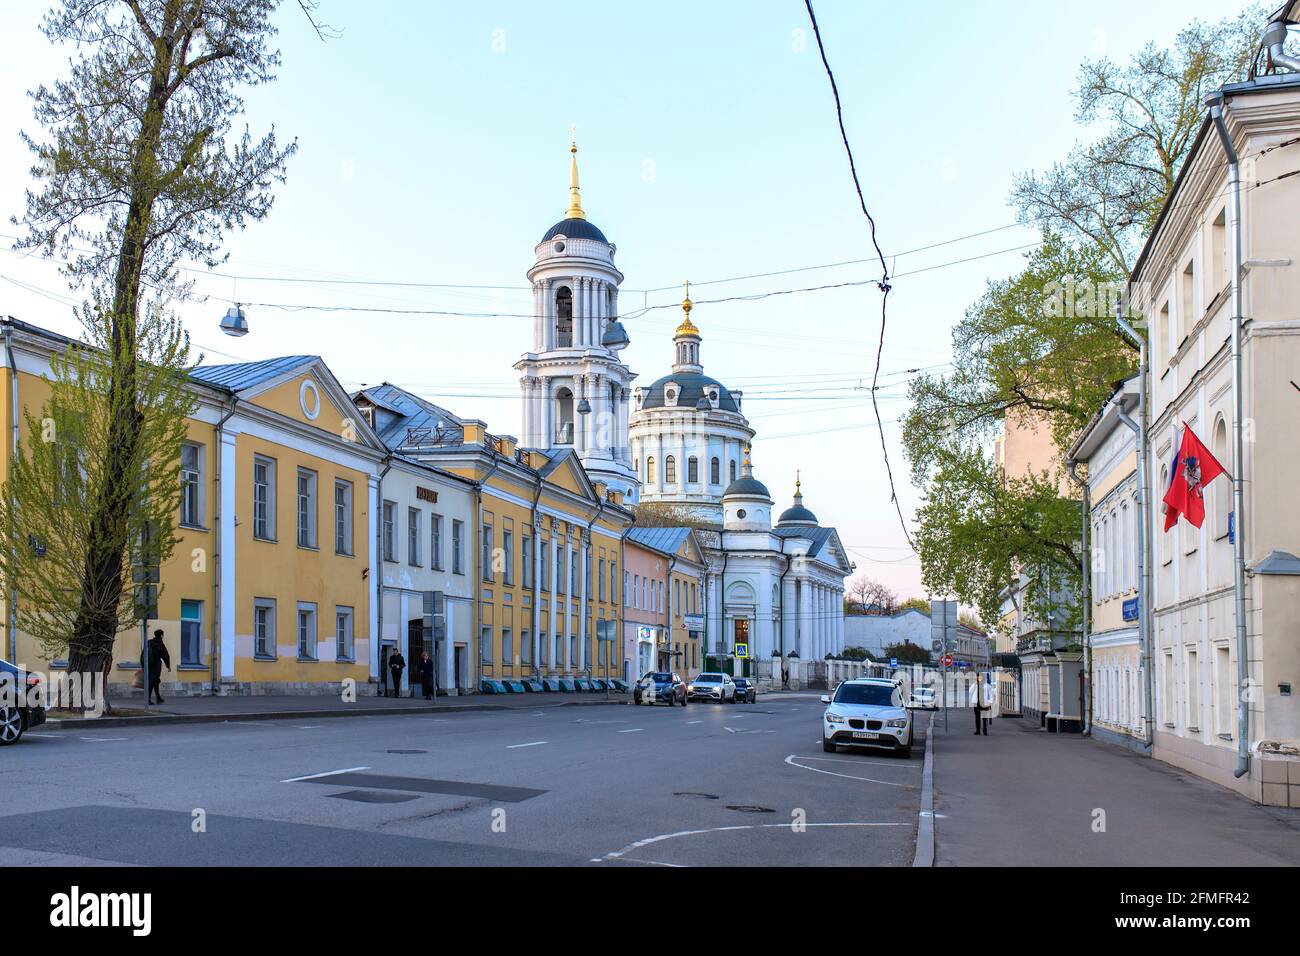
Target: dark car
{"type": "Point", "coordinates": [20, 710]}
{"type": "Point", "coordinates": [660, 687]}
{"type": "Point", "coordinates": [746, 690]}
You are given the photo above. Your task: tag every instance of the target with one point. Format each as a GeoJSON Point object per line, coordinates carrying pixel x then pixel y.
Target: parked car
{"type": "Point", "coordinates": [719, 687]}
{"type": "Point", "coordinates": [746, 690]}
{"type": "Point", "coordinates": [19, 711]}
{"type": "Point", "coordinates": [923, 697]}
{"type": "Point", "coordinates": [867, 712]}
{"type": "Point", "coordinates": [660, 687]}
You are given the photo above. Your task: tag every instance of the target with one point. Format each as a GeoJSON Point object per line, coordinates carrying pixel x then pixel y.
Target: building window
{"type": "Point", "coordinates": [435, 541]}
{"type": "Point", "coordinates": [627, 589]}
{"type": "Point", "coordinates": [306, 631]}
{"type": "Point", "coordinates": [485, 643]}
{"type": "Point", "coordinates": [343, 517]}
{"type": "Point", "coordinates": [343, 647]}
{"type": "Point", "coordinates": [692, 469]}
{"type": "Point", "coordinates": [650, 471]}
{"type": "Point", "coordinates": [613, 581]}
{"type": "Point", "coordinates": [526, 647]}
{"type": "Point", "coordinates": [413, 536]}
{"type": "Point", "coordinates": [715, 472]}
{"type": "Point", "coordinates": [457, 546]}
{"type": "Point", "coordinates": [731, 468]}
{"type": "Point", "coordinates": [1220, 491]}
{"type": "Point", "coordinates": [263, 627]}
{"type": "Point", "coordinates": [670, 470]}
{"type": "Point", "coordinates": [264, 498]}
{"type": "Point", "coordinates": [191, 485]}
{"type": "Point", "coordinates": [191, 633]}
{"type": "Point", "coordinates": [600, 578]}
{"type": "Point", "coordinates": [544, 649]}
{"type": "Point", "coordinates": [486, 556]}
{"type": "Point", "coordinates": [507, 647]}
{"type": "Point", "coordinates": [546, 566]}
{"type": "Point", "coordinates": [306, 508]}
{"type": "Point", "coordinates": [508, 556]}
{"type": "Point", "coordinates": [526, 560]}
{"type": "Point", "coordinates": [390, 531]}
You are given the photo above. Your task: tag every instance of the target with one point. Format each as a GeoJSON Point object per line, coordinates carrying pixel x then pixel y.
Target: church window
{"type": "Point", "coordinates": [670, 470]}
{"type": "Point", "coordinates": [733, 471]}
{"type": "Point", "coordinates": [715, 471]}
{"type": "Point", "coordinates": [693, 469]}
{"type": "Point", "coordinates": [564, 319]}
{"type": "Point", "coordinates": [650, 471]}
{"type": "Point", "coordinates": [564, 417]}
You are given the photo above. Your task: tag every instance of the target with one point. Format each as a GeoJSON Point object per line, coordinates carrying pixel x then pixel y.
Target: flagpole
{"type": "Point", "coordinates": [1218, 104]}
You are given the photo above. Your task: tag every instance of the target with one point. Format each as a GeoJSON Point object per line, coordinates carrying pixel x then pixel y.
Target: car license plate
{"type": "Point", "coordinates": [864, 735]}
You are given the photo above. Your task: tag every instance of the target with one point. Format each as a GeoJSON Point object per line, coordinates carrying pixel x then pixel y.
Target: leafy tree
{"type": "Point", "coordinates": [907, 653]}
{"type": "Point", "coordinates": [915, 604]}
{"type": "Point", "coordinates": [140, 173]}
{"type": "Point", "coordinates": [1108, 193]}
{"type": "Point", "coordinates": [855, 654]}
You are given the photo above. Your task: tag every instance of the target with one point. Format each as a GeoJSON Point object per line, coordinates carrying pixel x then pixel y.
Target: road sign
{"type": "Point", "coordinates": [1130, 609]}
{"type": "Point", "coordinates": [893, 662]}
{"type": "Point", "coordinates": [742, 650]}
{"type": "Point", "coordinates": [947, 660]}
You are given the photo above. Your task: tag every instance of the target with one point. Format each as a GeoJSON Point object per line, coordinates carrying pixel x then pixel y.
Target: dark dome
{"type": "Point", "coordinates": [691, 386]}
{"type": "Point", "coordinates": [575, 229]}
{"type": "Point", "coordinates": [797, 515]}
{"type": "Point", "coordinates": [746, 486]}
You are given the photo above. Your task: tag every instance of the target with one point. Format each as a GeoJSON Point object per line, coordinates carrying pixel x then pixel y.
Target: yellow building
{"type": "Point", "coordinates": [547, 546]}
{"type": "Point", "coordinates": [268, 589]}
{"type": "Point", "coordinates": [664, 604]}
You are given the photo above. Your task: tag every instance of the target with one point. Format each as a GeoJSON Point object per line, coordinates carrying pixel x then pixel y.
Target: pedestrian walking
{"type": "Point", "coordinates": [426, 675]}
{"type": "Point", "coordinates": [156, 651]}
{"type": "Point", "coordinates": [785, 678]}
{"type": "Point", "coordinates": [396, 664]}
{"type": "Point", "coordinates": [976, 697]}
{"type": "Point", "coordinates": [991, 706]}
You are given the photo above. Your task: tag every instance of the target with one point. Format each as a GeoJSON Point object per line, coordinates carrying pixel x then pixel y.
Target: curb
{"type": "Point", "coordinates": [925, 825]}
{"type": "Point", "coordinates": [81, 723]}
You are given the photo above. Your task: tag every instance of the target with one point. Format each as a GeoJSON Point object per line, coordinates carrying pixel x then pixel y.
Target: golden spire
{"type": "Point", "coordinates": [687, 327]}
{"type": "Point", "coordinates": [798, 492]}
{"type": "Point", "coordinates": [575, 199]}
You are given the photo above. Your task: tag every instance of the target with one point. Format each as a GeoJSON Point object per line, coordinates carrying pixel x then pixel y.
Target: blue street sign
{"type": "Point", "coordinates": [1131, 609]}
{"type": "Point", "coordinates": [893, 662]}
{"type": "Point", "coordinates": [1232, 527]}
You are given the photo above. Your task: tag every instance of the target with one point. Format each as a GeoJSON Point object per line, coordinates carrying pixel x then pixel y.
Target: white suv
{"type": "Point", "coordinates": [719, 687]}
{"type": "Point", "coordinates": [867, 712]}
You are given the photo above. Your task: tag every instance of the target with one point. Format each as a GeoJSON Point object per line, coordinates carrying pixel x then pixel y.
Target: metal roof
{"type": "Point", "coordinates": [575, 229]}
{"type": "Point", "coordinates": [664, 540]}
{"type": "Point", "coordinates": [244, 375]}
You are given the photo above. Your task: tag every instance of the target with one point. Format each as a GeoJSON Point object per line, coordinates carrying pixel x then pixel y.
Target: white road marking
{"type": "Point", "coordinates": [634, 730]}
{"type": "Point", "coordinates": [752, 826]}
{"type": "Point", "coordinates": [848, 776]}
{"type": "Point", "coordinates": [327, 773]}
{"type": "Point", "coordinates": [308, 726]}
{"type": "Point", "coordinates": [50, 736]}
{"type": "Point", "coordinates": [102, 739]}
{"type": "Point", "coordinates": [535, 743]}
{"type": "Point", "coordinates": [695, 721]}
{"type": "Point", "coordinates": [879, 761]}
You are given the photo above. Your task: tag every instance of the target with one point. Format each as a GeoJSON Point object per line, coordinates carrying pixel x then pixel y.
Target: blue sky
{"type": "Point", "coordinates": [433, 144]}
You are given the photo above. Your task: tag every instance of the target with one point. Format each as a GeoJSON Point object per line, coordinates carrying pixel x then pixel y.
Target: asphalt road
{"type": "Point", "coordinates": [707, 784]}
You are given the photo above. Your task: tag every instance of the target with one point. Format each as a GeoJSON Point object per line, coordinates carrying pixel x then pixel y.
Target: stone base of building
{"type": "Point", "coordinates": [1273, 782]}
{"type": "Point", "coordinates": [203, 688]}
{"type": "Point", "coordinates": [1115, 738]}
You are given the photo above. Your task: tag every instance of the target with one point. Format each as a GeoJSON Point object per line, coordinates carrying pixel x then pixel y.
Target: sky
{"type": "Point", "coordinates": [433, 148]}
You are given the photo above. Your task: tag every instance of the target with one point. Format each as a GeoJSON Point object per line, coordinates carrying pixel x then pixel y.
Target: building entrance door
{"type": "Point", "coordinates": [414, 641]}
{"type": "Point", "coordinates": [458, 667]}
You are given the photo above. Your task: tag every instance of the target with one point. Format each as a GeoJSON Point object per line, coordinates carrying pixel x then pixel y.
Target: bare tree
{"type": "Point", "coordinates": [866, 595]}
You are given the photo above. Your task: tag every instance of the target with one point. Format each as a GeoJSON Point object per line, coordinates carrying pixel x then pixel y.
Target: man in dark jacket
{"type": "Point", "coordinates": [396, 664]}
{"type": "Point", "coordinates": [158, 656]}
{"type": "Point", "coordinates": [426, 675]}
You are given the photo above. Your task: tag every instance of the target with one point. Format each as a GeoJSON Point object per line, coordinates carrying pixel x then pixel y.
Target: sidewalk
{"type": "Point", "coordinates": [181, 710]}
{"type": "Point", "coordinates": [1022, 797]}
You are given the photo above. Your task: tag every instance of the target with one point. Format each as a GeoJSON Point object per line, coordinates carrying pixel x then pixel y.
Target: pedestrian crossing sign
{"type": "Point", "coordinates": [742, 650]}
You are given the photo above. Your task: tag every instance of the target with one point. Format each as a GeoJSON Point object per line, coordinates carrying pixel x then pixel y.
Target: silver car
{"type": "Point", "coordinates": [719, 687]}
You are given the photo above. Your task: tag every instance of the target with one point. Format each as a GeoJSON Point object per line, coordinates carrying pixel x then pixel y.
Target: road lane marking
{"type": "Point", "coordinates": [634, 730]}
{"type": "Point", "coordinates": [878, 761]}
{"type": "Point", "coordinates": [535, 743]}
{"type": "Point", "coordinates": [848, 776]}
{"type": "Point", "coordinates": [50, 736]}
{"type": "Point", "coordinates": [695, 721]}
{"type": "Point", "coordinates": [617, 854]}
{"type": "Point", "coordinates": [102, 739]}
{"type": "Point", "coordinates": [327, 773]}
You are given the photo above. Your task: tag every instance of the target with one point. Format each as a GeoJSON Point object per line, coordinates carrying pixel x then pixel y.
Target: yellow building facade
{"type": "Point", "coordinates": [268, 589]}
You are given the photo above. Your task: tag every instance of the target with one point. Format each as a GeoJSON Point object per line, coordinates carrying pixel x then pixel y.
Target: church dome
{"type": "Point", "coordinates": [692, 387]}
{"type": "Point", "coordinates": [575, 228]}
{"type": "Point", "coordinates": [746, 485]}
{"type": "Point", "coordinates": [797, 515]}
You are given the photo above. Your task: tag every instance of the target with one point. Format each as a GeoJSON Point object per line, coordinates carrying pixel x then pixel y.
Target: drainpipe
{"type": "Point", "coordinates": [1139, 427]}
{"type": "Point", "coordinates": [537, 603]}
{"type": "Point", "coordinates": [1085, 579]}
{"type": "Point", "coordinates": [217, 517]}
{"type": "Point", "coordinates": [1274, 38]}
{"type": "Point", "coordinates": [379, 571]}
{"type": "Point", "coordinates": [11, 611]}
{"type": "Point", "coordinates": [1218, 105]}
{"type": "Point", "coordinates": [591, 591]}
{"type": "Point", "coordinates": [478, 551]}
{"type": "Point", "coordinates": [668, 602]}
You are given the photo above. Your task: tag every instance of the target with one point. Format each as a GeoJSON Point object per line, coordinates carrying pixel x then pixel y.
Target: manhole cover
{"type": "Point", "coordinates": [749, 808]}
{"type": "Point", "coordinates": [408, 751]}
{"type": "Point", "coordinates": [698, 796]}
{"type": "Point", "coordinates": [373, 796]}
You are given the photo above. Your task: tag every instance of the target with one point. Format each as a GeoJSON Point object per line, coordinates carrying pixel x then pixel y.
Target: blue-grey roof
{"type": "Point", "coordinates": [692, 386]}
{"type": "Point", "coordinates": [242, 375]}
{"type": "Point", "coordinates": [818, 536]}
{"type": "Point", "coordinates": [797, 513]}
{"type": "Point", "coordinates": [747, 486]}
{"type": "Point", "coordinates": [410, 411]}
{"type": "Point", "coordinates": [664, 540]}
{"type": "Point", "coordinates": [1279, 562]}
{"type": "Point", "coordinates": [575, 229]}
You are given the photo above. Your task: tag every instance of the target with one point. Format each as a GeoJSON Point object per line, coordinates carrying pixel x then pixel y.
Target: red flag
{"type": "Point", "coordinates": [1193, 468]}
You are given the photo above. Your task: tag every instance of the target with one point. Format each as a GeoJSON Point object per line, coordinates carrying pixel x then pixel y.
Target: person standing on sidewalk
{"type": "Point", "coordinates": [158, 656]}
{"type": "Point", "coordinates": [396, 664]}
{"type": "Point", "coordinates": [426, 675]}
{"type": "Point", "coordinates": [976, 701]}
{"type": "Point", "coordinates": [990, 693]}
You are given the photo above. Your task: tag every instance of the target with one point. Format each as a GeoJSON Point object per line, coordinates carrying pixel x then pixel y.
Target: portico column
{"type": "Point", "coordinates": [805, 620]}
{"type": "Point", "coordinates": [789, 617]}
{"type": "Point", "coordinates": [568, 597]}
{"type": "Point", "coordinates": [582, 604]}
{"type": "Point", "coordinates": [623, 397]}
{"type": "Point", "coordinates": [821, 622]}
{"type": "Point", "coordinates": [555, 551]}
{"type": "Point", "coordinates": [839, 621]}
{"type": "Point", "coordinates": [762, 645]}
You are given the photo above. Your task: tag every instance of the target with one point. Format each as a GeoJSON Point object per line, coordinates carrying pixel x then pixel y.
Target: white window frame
{"type": "Point", "coordinates": [306, 508]}
{"type": "Point", "coordinates": [267, 516]}
{"type": "Point", "coordinates": [309, 637]}
{"type": "Point", "coordinates": [344, 634]}
{"type": "Point", "coordinates": [414, 535]}
{"type": "Point", "coordinates": [192, 487]}
{"type": "Point", "coordinates": [268, 651]}
{"type": "Point", "coordinates": [389, 530]}
{"type": "Point", "coordinates": [343, 517]}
